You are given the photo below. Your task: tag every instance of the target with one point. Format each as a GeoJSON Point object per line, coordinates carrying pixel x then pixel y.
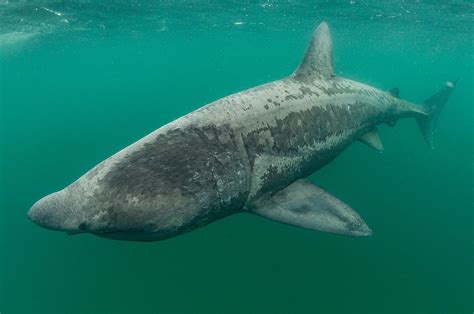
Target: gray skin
{"type": "Point", "coordinates": [247, 152]}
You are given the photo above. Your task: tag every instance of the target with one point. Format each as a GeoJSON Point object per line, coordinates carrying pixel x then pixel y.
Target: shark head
{"type": "Point", "coordinates": [86, 207]}
{"type": "Point", "coordinates": [59, 211]}
{"type": "Point", "coordinates": [66, 211]}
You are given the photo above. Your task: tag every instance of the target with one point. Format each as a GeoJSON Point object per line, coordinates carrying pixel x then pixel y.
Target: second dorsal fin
{"type": "Point", "coordinates": [317, 63]}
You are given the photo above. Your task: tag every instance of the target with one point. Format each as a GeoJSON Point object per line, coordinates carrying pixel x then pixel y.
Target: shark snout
{"type": "Point", "coordinates": [53, 212]}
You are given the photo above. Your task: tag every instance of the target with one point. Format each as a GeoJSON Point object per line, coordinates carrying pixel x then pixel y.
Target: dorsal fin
{"type": "Point", "coordinates": [317, 63]}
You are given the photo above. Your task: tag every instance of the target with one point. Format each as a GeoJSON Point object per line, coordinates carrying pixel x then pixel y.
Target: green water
{"type": "Point", "coordinates": [87, 78]}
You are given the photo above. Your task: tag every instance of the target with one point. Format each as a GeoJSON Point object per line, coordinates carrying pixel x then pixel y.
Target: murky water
{"type": "Point", "coordinates": [82, 79]}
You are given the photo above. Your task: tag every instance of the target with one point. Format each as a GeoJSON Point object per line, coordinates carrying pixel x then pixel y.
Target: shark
{"type": "Point", "coordinates": [249, 152]}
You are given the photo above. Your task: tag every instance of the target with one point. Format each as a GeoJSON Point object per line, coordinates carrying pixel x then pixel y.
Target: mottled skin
{"type": "Point", "coordinates": [226, 157]}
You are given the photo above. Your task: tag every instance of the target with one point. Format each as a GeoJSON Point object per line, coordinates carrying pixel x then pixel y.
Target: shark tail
{"type": "Point", "coordinates": [432, 108]}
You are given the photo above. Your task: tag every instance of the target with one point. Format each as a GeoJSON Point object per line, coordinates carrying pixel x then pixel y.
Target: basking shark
{"type": "Point", "coordinates": [248, 152]}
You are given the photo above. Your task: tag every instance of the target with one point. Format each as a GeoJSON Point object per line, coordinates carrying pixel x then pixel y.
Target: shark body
{"type": "Point", "coordinates": [247, 152]}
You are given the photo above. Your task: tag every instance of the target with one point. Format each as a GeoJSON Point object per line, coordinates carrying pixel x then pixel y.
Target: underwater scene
{"type": "Point", "coordinates": [346, 185]}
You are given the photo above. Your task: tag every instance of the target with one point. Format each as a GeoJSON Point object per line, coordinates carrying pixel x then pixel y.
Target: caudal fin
{"type": "Point", "coordinates": [432, 108]}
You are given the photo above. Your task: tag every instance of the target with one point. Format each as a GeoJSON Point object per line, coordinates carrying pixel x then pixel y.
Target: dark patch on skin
{"type": "Point", "coordinates": [201, 166]}
{"type": "Point", "coordinates": [272, 174]}
{"type": "Point", "coordinates": [289, 137]}
{"type": "Point", "coordinates": [179, 159]}
{"type": "Point", "coordinates": [316, 125]}
{"type": "Point", "coordinates": [305, 90]}
{"type": "Point", "coordinates": [303, 209]}
{"type": "Point", "coordinates": [266, 106]}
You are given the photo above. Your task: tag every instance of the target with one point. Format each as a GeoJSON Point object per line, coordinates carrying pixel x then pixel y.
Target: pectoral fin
{"type": "Point", "coordinates": [305, 205]}
{"type": "Point", "coordinates": [372, 139]}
